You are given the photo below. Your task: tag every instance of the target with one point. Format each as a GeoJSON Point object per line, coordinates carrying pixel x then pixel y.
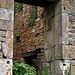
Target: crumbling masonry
{"type": "Point", "coordinates": [59, 35]}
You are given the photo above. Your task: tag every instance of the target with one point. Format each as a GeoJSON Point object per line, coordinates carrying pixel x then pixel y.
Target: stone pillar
{"type": "Point", "coordinates": [6, 36]}
{"type": "Point", "coordinates": [59, 37]}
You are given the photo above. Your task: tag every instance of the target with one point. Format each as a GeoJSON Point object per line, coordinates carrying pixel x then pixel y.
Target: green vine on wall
{"type": "Point", "coordinates": [33, 15]}
{"type": "Point", "coordinates": [18, 7]}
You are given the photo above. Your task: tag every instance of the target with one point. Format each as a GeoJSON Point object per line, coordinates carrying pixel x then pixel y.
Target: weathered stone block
{"type": "Point", "coordinates": [2, 33]}
{"type": "Point", "coordinates": [72, 68]}
{"type": "Point", "coordinates": [49, 42]}
{"type": "Point", "coordinates": [58, 36]}
{"type": "Point", "coordinates": [60, 66]}
{"type": "Point", "coordinates": [6, 14]}
{"type": "Point", "coordinates": [7, 46]}
{"type": "Point", "coordinates": [9, 4]}
{"type": "Point", "coordinates": [5, 66]}
{"type": "Point", "coordinates": [6, 25]}
{"type": "Point", "coordinates": [65, 23]}
{"type": "Point", "coordinates": [2, 39]}
{"type": "Point", "coordinates": [68, 52]}
{"type": "Point", "coordinates": [66, 8]}
{"type": "Point", "coordinates": [73, 7]}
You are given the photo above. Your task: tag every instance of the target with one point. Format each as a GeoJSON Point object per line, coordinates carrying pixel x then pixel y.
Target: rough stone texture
{"type": "Point", "coordinates": [62, 42]}
{"type": "Point", "coordinates": [5, 66]}
{"type": "Point", "coordinates": [49, 36]}
{"type": "Point", "coordinates": [68, 52]}
{"type": "Point", "coordinates": [60, 66]}
{"type": "Point", "coordinates": [2, 33]}
{"type": "Point", "coordinates": [6, 14]}
{"type": "Point", "coordinates": [6, 25]}
{"type": "Point", "coordinates": [6, 36]}
{"type": "Point", "coordinates": [59, 36]}
{"type": "Point", "coordinates": [72, 67]}
{"type": "Point", "coordinates": [68, 29]}
{"type": "Point", "coordinates": [9, 4]}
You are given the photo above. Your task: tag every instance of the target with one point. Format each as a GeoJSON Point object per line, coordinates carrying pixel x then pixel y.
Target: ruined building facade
{"type": "Point", "coordinates": [59, 35]}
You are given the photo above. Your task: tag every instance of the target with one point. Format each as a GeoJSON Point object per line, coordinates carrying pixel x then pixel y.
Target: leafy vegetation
{"type": "Point", "coordinates": [18, 7]}
{"type": "Point", "coordinates": [45, 71]}
{"type": "Point", "coordinates": [33, 15]}
{"type": "Point", "coordinates": [67, 72]}
{"type": "Point", "coordinates": [23, 69]}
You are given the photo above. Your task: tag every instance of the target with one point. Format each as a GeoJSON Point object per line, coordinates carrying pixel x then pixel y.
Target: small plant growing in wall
{"type": "Point", "coordinates": [45, 70]}
{"type": "Point", "coordinates": [67, 71]}
{"type": "Point", "coordinates": [33, 15]}
{"type": "Point", "coordinates": [18, 7]}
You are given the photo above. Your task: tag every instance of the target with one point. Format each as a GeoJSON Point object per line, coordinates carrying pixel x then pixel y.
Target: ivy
{"type": "Point", "coordinates": [23, 69]}
{"type": "Point", "coordinates": [33, 15]}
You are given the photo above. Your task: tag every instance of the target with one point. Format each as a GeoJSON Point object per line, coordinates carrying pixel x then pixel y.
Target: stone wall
{"type": "Point", "coordinates": [59, 41]}
{"type": "Point", "coordinates": [6, 36]}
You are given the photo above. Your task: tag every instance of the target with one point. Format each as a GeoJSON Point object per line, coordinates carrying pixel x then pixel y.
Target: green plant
{"type": "Point", "coordinates": [20, 7]}
{"type": "Point", "coordinates": [67, 71]}
{"type": "Point", "coordinates": [23, 69]}
{"type": "Point", "coordinates": [45, 71]}
{"type": "Point", "coordinates": [33, 15]}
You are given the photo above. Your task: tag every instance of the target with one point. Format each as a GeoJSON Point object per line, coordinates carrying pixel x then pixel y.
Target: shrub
{"type": "Point", "coordinates": [23, 69]}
